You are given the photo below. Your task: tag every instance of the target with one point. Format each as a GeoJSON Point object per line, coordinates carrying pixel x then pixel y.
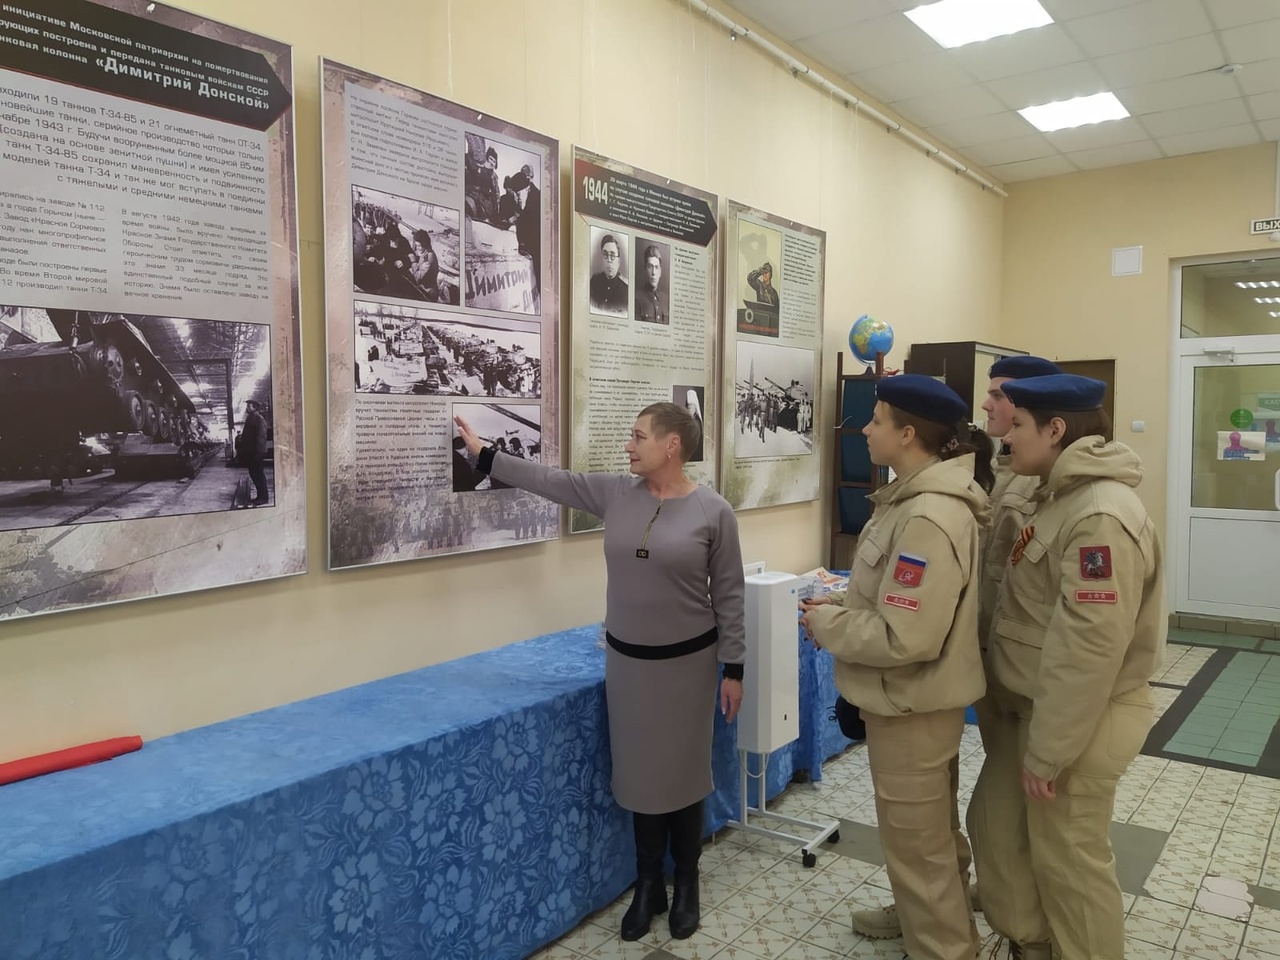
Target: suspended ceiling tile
{"type": "Point", "coordinates": [1048, 86]}
{"type": "Point", "coordinates": [865, 46]}
{"type": "Point", "coordinates": [1183, 92]}
{"type": "Point", "coordinates": [1030, 50]}
{"type": "Point", "coordinates": [1162, 62]}
{"type": "Point", "coordinates": [1205, 140]}
{"type": "Point", "coordinates": [1140, 25]}
{"type": "Point", "coordinates": [996, 126]}
{"type": "Point", "coordinates": [1234, 13]}
{"type": "Point", "coordinates": [959, 103]}
{"type": "Point", "coordinates": [1211, 116]}
{"type": "Point", "coordinates": [1261, 76]}
{"type": "Point", "coordinates": [1062, 10]}
{"type": "Point", "coordinates": [1265, 106]}
{"type": "Point", "coordinates": [1257, 41]}
{"type": "Point", "coordinates": [1031, 169]}
{"type": "Point", "coordinates": [1011, 151]}
{"type": "Point", "coordinates": [1094, 135]}
{"type": "Point", "coordinates": [913, 78]}
{"type": "Point", "coordinates": [1116, 155]}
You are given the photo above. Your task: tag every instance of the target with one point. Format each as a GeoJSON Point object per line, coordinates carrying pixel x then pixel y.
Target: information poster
{"type": "Point", "coordinates": [644, 303]}
{"type": "Point", "coordinates": [150, 369]}
{"type": "Point", "coordinates": [772, 359]}
{"type": "Point", "coordinates": [442, 297]}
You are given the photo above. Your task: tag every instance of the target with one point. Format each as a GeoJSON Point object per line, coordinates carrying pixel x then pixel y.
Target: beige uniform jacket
{"type": "Point", "coordinates": [905, 634]}
{"type": "Point", "coordinates": [1012, 503]}
{"type": "Point", "coordinates": [1080, 619]}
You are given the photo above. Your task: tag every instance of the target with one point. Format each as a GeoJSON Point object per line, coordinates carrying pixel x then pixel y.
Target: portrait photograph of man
{"type": "Point", "coordinates": [608, 291]}
{"type": "Point", "coordinates": [653, 289]}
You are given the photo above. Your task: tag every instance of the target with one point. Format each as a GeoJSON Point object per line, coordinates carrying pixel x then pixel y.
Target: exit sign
{"type": "Point", "coordinates": [1265, 226]}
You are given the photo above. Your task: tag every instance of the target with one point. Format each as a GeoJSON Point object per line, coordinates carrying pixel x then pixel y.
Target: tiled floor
{"type": "Point", "coordinates": [1176, 825]}
{"type": "Point", "coordinates": [1233, 719]}
{"type": "Point", "coordinates": [1223, 707]}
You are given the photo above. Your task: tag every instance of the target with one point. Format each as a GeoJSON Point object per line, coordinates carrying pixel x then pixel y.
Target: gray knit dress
{"type": "Point", "coordinates": [661, 711]}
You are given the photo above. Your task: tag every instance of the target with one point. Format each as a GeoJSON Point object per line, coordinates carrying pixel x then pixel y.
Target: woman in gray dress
{"type": "Point", "coordinates": [674, 612]}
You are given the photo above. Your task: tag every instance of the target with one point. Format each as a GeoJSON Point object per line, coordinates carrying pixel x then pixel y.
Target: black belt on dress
{"type": "Point", "coordinates": [667, 651]}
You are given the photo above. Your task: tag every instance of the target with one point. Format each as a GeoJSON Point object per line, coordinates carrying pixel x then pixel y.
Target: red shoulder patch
{"type": "Point", "coordinates": [1097, 596]}
{"type": "Point", "coordinates": [906, 603]}
{"type": "Point", "coordinates": [1095, 563]}
{"type": "Point", "coordinates": [910, 570]}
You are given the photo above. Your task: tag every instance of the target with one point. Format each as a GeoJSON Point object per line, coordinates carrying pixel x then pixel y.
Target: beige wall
{"type": "Point", "coordinates": [646, 82]}
{"type": "Point", "coordinates": [1060, 300]}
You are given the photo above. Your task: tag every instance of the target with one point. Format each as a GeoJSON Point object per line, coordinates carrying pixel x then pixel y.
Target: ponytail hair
{"type": "Point", "coordinates": [948, 441]}
{"type": "Point", "coordinates": [969, 438]}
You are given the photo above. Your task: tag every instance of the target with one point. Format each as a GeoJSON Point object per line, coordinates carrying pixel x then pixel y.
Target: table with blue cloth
{"type": "Point", "coordinates": [458, 811]}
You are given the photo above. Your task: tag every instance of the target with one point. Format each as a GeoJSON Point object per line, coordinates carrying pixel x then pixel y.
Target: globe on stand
{"type": "Point", "coordinates": [869, 337]}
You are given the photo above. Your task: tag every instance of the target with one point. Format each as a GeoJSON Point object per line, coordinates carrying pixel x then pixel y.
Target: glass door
{"type": "Point", "coordinates": [1229, 484]}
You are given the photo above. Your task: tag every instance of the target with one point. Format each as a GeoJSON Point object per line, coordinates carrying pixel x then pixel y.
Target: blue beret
{"type": "Point", "coordinates": [1063, 392]}
{"type": "Point", "coordinates": [1020, 368]}
{"type": "Point", "coordinates": [923, 397]}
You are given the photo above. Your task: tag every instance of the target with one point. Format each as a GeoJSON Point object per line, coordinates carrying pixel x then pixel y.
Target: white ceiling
{"type": "Point", "coordinates": [1159, 57]}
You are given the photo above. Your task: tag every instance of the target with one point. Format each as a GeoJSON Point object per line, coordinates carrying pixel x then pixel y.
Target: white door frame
{"type": "Point", "coordinates": [1187, 355]}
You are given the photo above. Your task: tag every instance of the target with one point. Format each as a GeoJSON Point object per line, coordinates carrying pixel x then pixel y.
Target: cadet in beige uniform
{"type": "Point", "coordinates": [1011, 503]}
{"type": "Point", "coordinates": [905, 643]}
{"type": "Point", "coordinates": [1078, 630]}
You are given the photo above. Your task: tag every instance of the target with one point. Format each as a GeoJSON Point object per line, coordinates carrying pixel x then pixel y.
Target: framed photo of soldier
{"type": "Point", "coordinates": [772, 360]}
{"type": "Point", "coordinates": [609, 293]}
{"type": "Point", "coordinates": [759, 278]}
{"type": "Point", "coordinates": [645, 290]}
{"type": "Point", "coordinates": [652, 281]}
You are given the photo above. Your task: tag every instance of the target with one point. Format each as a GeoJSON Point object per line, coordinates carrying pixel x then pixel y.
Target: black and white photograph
{"type": "Point", "coordinates": [759, 260]}
{"type": "Point", "coordinates": [396, 365]}
{"type": "Point", "coordinates": [773, 401]}
{"type": "Point", "coordinates": [694, 399]}
{"type": "Point", "coordinates": [652, 286]}
{"type": "Point", "coordinates": [408, 350]}
{"type": "Point", "coordinates": [109, 416]}
{"type": "Point", "coordinates": [403, 248]}
{"type": "Point", "coordinates": [607, 291]}
{"type": "Point", "coordinates": [516, 430]}
{"type": "Point", "coordinates": [504, 226]}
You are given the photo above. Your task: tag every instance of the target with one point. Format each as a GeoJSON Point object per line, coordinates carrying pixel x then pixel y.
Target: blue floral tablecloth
{"type": "Point", "coordinates": [460, 811]}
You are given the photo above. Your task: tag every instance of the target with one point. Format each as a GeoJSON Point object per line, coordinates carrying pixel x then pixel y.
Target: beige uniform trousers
{"type": "Point", "coordinates": [1046, 870]}
{"type": "Point", "coordinates": [915, 770]}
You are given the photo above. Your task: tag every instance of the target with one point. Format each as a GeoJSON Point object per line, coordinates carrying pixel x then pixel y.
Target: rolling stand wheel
{"type": "Point", "coordinates": [834, 838]}
{"type": "Point", "coordinates": [809, 859]}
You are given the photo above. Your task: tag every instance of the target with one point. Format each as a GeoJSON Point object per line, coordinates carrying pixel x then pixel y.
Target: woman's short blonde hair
{"type": "Point", "coordinates": [668, 418]}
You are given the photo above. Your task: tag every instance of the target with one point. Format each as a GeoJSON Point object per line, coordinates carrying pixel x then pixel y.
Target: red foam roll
{"type": "Point", "coordinates": [67, 759]}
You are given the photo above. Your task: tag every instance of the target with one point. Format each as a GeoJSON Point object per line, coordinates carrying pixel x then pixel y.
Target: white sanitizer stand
{"type": "Point", "coordinates": [770, 715]}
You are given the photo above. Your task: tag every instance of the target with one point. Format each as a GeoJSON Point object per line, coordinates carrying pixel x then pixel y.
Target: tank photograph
{"type": "Point", "coordinates": [406, 350]}
{"type": "Point", "coordinates": [109, 416]}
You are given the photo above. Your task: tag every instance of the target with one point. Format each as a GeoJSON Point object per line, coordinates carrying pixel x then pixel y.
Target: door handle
{"type": "Point", "coordinates": [1278, 489]}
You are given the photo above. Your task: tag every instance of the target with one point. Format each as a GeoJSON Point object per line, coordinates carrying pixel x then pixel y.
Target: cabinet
{"type": "Point", "coordinates": [961, 365]}
{"type": "Point", "coordinates": [854, 476]}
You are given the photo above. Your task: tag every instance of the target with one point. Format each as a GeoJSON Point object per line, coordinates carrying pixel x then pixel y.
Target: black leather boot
{"type": "Point", "coordinates": [651, 889]}
{"type": "Point", "coordinates": [686, 847]}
